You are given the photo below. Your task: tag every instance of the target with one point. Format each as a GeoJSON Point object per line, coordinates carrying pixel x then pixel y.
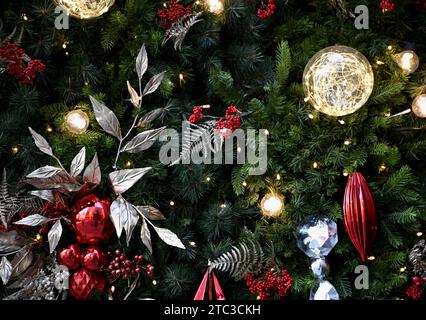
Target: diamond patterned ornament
{"type": "Point", "coordinates": [320, 267]}
{"type": "Point", "coordinates": [324, 290]}
{"type": "Point", "coordinates": [317, 236]}
{"type": "Point", "coordinates": [84, 283]}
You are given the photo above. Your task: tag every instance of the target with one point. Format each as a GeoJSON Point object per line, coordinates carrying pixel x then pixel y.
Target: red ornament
{"type": "Point", "coordinates": [91, 221]}
{"type": "Point", "coordinates": [70, 257]}
{"type": "Point", "coordinates": [84, 283]}
{"type": "Point", "coordinates": [266, 10]}
{"type": "Point", "coordinates": [359, 214]}
{"type": "Point", "coordinates": [94, 258]}
{"type": "Point", "coordinates": [414, 291]}
{"type": "Point", "coordinates": [387, 5]}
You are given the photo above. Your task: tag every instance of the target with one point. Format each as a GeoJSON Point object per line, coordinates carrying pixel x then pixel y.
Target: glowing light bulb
{"type": "Point", "coordinates": [239, 149]}
{"type": "Point", "coordinates": [371, 258]}
{"type": "Point", "coordinates": [77, 121]}
{"type": "Point", "coordinates": [192, 243]}
{"type": "Point", "coordinates": [272, 205]}
{"type": "Point", "coordinates": [379, 62]}
{"type": "Point", "coordinates": [172, 203]}
{"type": "Point", "coordinates": [208, 179]}
{"type": "Point", "coordinates": [390, 48]}
{"type": "Point", "coordinates": [278, 177]}
{"type": "Point", "coordinates": [64, 45]}
{"type": "Point", "coordinates": [315, 165]}
{"type": "Point", "coordinates": [419, 234]}
{"type": "Point", "coordinates": [244, 184]}
{"type": "Point", "coordinates": [15, 149]}
{"type": "Point", "coordinates": [408, 61]}
{"type": "Point", "coordinates": [223, 205]}
{"type": "Point", "coordinates": [345, 173]}
{"type": "Point", "coordinates": [342, 122]}
{"type": "Point", "coordinates": [49, 129]}
{"type": "Point", "coordinates": [311, 116]}
{"type": "Point", "coordinates": [214, 6]}
{"type": "Point", "coordinates": [382, 168]}
{"type": "Point", "coordinates": [154, 282]}
{"type": "Point", "coordinates": [347, 142]}
{"type": "Point", "coordinates": [266, 132]}
{"type": "Point", "coordinates": [24, 17]}
{"type": "Point", "coordinates": [180, 76]}
{"type": "Point", "coordinates": [419, 106]}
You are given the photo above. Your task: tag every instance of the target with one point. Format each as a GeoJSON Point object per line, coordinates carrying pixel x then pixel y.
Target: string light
{"type": "Point", "coordinates": [208, 179]}
{"type": "Point", "coordinates": [128, 164]}
{"type": "Point", "coordinates": [382, 168]}
{"type": "Point", "coordinates": [419, 234]}
{"type": "Point", "coordinates": [67, 53]}
{"type": "Point", "coordinates": [24, 17]}
{"type": "Point", "coordinates": [38, 237]}
{"type": "Point", "coordinates": [214, 6]}
{"type": "Point", "coordinates": [278, 177]}
{"type": "Point", "coordinates": [387, 114]}
{"type": "Point", "coordinates": [311, 116]}
{"type": "Point", "coordinates": [390, 48]}
{"type": "Point", "coordinates": [379, 62]}
{"type": "Point", "coordinates": [408, 61]}
{"type": "Point", "coordinates": [272, 205]}
{"type": "Point", "coordinates": [371, 258]}
{"type": "Point", "coordinates": [154, 282]}
{"type": "Point", "coordinates": [197, 2]}
{"type": "Point", "coordinates": [192, 243]}
{"type": "Point", "coordinates": [345, 173]}
{"type": "Point", "coordinates": [403, 269]}
{"type": "Point", "coordinates": [223, 205]}
{"type": "Point", "coordinates": [306, 99]}
{"type": "Point", "coordinates": [180, 76]}
{"type": "Point", "coordinates": [49, 129]}
{"type": "Point", "coordinates": [112, 289]}
{"type": "Point", "coordinates": [239, 149]}
{"type": "Point", "coordinates": [315, 165]}
{"type": "Point", "coordinates": [164, 5]}
{"type": "Point", "coordinates": [77, 121]}
{"type": "Point", "coordinates": [64, 45]}
{"type": "Point", "coordinates": [347, 142]}
{"type": "Point", "coordinates": [342, 122]}
{"type": "Point", "coordinates": [172, 203]}
{"type": "Point", "coordinates": [244, 184]}
{"type": "Point", "coordinates": [266, 132]}
{"type": "Point", "coordinates": [15, 149]}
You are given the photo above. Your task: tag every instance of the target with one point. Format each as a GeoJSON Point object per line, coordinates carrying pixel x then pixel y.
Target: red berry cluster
{"type": "Point", "coordinates": [120, 266]}
{"type": "Point", "coordinates": [16, 67]}
{"type": "Point", "coordinates": [172, 13]}
{"type": "Point", "coordinates": [231, 122]}
{"type": "Point", "coordinates": [416, 289]}
{"type": "Point", "coordinates": [271, 282]}
{"type": "Point", "coordinates": [266, 10]}
{"type": "Point", "coordinates": [51, 210]}
{"type": "Point", "coordinates": [387, 5]}
{"type": "Point", "coordinates": [197, 115]}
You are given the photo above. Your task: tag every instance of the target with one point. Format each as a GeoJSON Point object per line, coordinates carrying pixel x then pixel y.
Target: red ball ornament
{"type": "Point", "coordinates": [91, 221]}
{"type": "Point", "coordinates": [94, 258]}
{"type": "Point", "coordinates": [359, 214]}
{"type": "Point", "coordinates": [84, 283]}
{"type": "Point", "coordinates": [70, 257]}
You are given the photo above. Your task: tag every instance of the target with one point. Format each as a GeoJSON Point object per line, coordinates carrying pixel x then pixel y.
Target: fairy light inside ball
{"type": "Point", "coordinates": [272, 205]}
{"type": "Point", "coordinates": [85, 9]}
{"type": "Point", "coordinates": [214, 6]}
{"type": "Point", "coordinates": [77, 121]}
{"type": "Point", "coordinates": [408, 61]}
{"type": "Point", "coordinates": [338, 80]}
{"type": "Point", "coordinates": [419, 106]}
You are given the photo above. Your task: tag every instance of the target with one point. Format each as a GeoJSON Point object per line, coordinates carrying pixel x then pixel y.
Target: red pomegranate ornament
{"type": "Point", "coordinates": [359, 214]}
{"type": "Point", "coordinates": [85, 283]}
{"type": "Point", "coordinates": [91, 220]}
{"type": "Point", "coordinates": [94, 258]}
{"type": "Point", "coordinates": [70, 257]}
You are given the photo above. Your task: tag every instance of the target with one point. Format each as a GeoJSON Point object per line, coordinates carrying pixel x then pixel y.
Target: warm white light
{"type": "Point", "coordinates": [389, 47]}
{"type": "Point", "coordinates": [214, 6]}
{"type": "Point", "coordinates": [338, 80]}
{"type": "Point", "coordinates": [379, 62]}
{"type": "Point", "coordinates": [408, 61]}
{"type": "Point", "coordinates": [419, 234]}
{"type": "Point", "coordinates": [25, 17]}
{"type": "Point", "coordinates": [15, 150]}
{"type": "Point", "coordinates": [208, 179]}
{"type": "Point", "coordinates": [347, 142]}
{"type": "Point", "coordinates": [244, 184]}
{"type": "Point", "coordinates": [192, 243]}
{"type": "Point", "coordinates": [272, 205]}
{"type": "Point", "coordinates": [154, 282]}
{"type": "Point", "coordinates": [371, 258]}
{"type": "Point", "coordinates": [315, 165]}
{"type": "Point", "coordinates": [77, 121]}
{"type": "Point", "coordinates": [266, 132]}
{"type": "Point", "coordinates": [239, 149]}
{"type": "Point", "coordinates": [419, 106]}
{"type": "Point", "coordinates": [342, 122]}
{"type": "Point", "coordinates": [85, 9]}
{"type": "Point", "coordinates": [345, 173]}
{"type": "Point", "coordinates": [180, 76]}
{"type": "Point", "coordinates": [172, 203]}
{"type": "Point", "coordinates": [223, 205]}
{"type": "Point", "coordinates": [278, 177]}
{"type": "Point", "coordinates": [64, 45]}
{"type": "Point", "coordinates": [311, 116]}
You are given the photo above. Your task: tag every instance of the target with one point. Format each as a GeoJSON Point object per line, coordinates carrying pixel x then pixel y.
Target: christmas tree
{"type": "Point", "coordinates": [333, 90]}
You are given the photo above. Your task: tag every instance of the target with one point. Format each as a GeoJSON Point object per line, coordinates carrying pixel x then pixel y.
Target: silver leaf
{"type": "Point", "coordinates": [44, 194]}
{"type": "Point", "coordinates": [41, 143]}
{"type": "Point", "coordinates": [115, 212]}
{"type": "Point", "coordinates": [153, 84]}
{"type": "Point", "coordinates": [124, 216]}
{"type": "Point", "coordinates": [169, 237]}
{"type": "Point", "coordinates": [122, 180]}
{"type": "Point", "coordinates": [77, 164]}
{"type": "Point", "coordinates": [44, 172]}
{"type": "Point", "coordinates": [143, 140]}
{"type": "Point", "coordinates": [146, 236]}
{"type": "Point", "coordinates": [106, 118]}
{"type": "Point", "coordinates": [33, 220]}
{"type": "Point", "coordinates": [5, 270]}
{"type": "Point", "coordinates": [92, 173]}
{"type": "Point", "coordinates": [54, 235]}
{"type": "Point", "coordinates": [134, 97]}
{"type": "Point", "coordinates": [151, 213]}
{"type": "Point", "coordinates": [142, 62]}
{"type": "Point", "coordinates": [62, 182]}
{"type": "Point", "coordinates": [150, 116]}
{"type": "Point", "coordinates": [11, 241]}
{"type": "Point", "coordinates": [22, 261]}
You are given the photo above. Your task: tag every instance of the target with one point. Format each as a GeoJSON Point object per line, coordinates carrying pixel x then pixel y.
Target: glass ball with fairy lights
{"type": "Point", "coordinates": [272, 205]}
{"type": "Point", "coordinates": [85, 9]}
{"type": "Point", "coordinates": [419, 106]}
{"type": "Point", "coordinates": [338, 80]}
{"type": "Point", "coordinates": [408, 61]}
{"type": "Point", "coordinates": [77, 121]}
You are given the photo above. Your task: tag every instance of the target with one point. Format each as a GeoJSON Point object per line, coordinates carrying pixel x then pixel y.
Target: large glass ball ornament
{"type": "Point", "coordinates": [338, 80]}
{"type": "Point", "coordinates": [419, 106]}
{"type": "Point", "coordinates": [408, 61]}
{"type": "Point", "coordinates": [272, 205]}
{"type": "Point", "coordinates": [85, 9]}
{"type": "Point", "coordinates": [77, 121]}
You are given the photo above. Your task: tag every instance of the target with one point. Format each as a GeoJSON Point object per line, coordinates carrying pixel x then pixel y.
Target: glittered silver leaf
{"type": "Point", "coordinates": [115, 214]}
{"type": "Point", "coordinates": [21, 261]}
{"type": "Point", "coordinates": [122, 180]}
{"type": "Point", "coordinates": [141, 62]}
{"type": "Point", "coordinates": [146, 236]}
{"type": "Point", "coordinates": [153, 84]}
{"type": "Point", "coordinates": [41, 143]}
{"type": "Point", "coordinates": [169, 237]}
{"type": "Point", "coordinates": [11, 241]}
{"type": "Point", "coordinates": [77, 164]}
{"type": "Point", "coordinates": [106, 118]}
{"type": "Point", "coordinates": [33, 220]}
{"type": "Point", "coordinates": [151, 213]}
{"type": "Point", "coordinates": [44, 172]}
{"type": "Point", "coordinates": [5, 270]}
{"type": "Point", "coordinates": [54, 235]}
{"type": "Point", "coordinates": [143, 140]}
{"type": "Point", "coordinates": [134, 96]}
{"type": "Point", "coordinates": [62, 182]}
{"type": "Point", "coordinates": [124, 216]}
{"type": "Point", "coordinates": [180, 28]}
{"type": "Point", "coordinates": [150, 116]}
{"type": "Point", "coordinates": [92, 173]}
{"type": "Point", "coordinates": [45, 195]}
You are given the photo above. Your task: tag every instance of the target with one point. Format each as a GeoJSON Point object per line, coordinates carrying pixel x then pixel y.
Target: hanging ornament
{"type": "Point", "coordinates": [316, 237]}
{"type": "Point", "coordinates": [209, 281]}
{"type": "Point", "coordinates": [214, 6]}
{"type": "Point", "coordinates": [91, 220]}
{"type": "Point", "coordinates": [70, 257]}
{"type": "Point", "coordinates": [94, 258]}
{"type": "Point", "coordinates": [338, 80]}
{"type": "Point", "coordinates": [77, 121]}
{"type": "Point", "coordinates": [272, 205]}
{"type": "Point", "coordinates": [408, 61]}
{"type": "Point", "coordinates": [359, 214]}
{"type": "Point", "coordinates": [419, 106]}
{"type": "Point", "coordinates": [85, 9]}
{"type": "Point", "coordinates": [85, 283]}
